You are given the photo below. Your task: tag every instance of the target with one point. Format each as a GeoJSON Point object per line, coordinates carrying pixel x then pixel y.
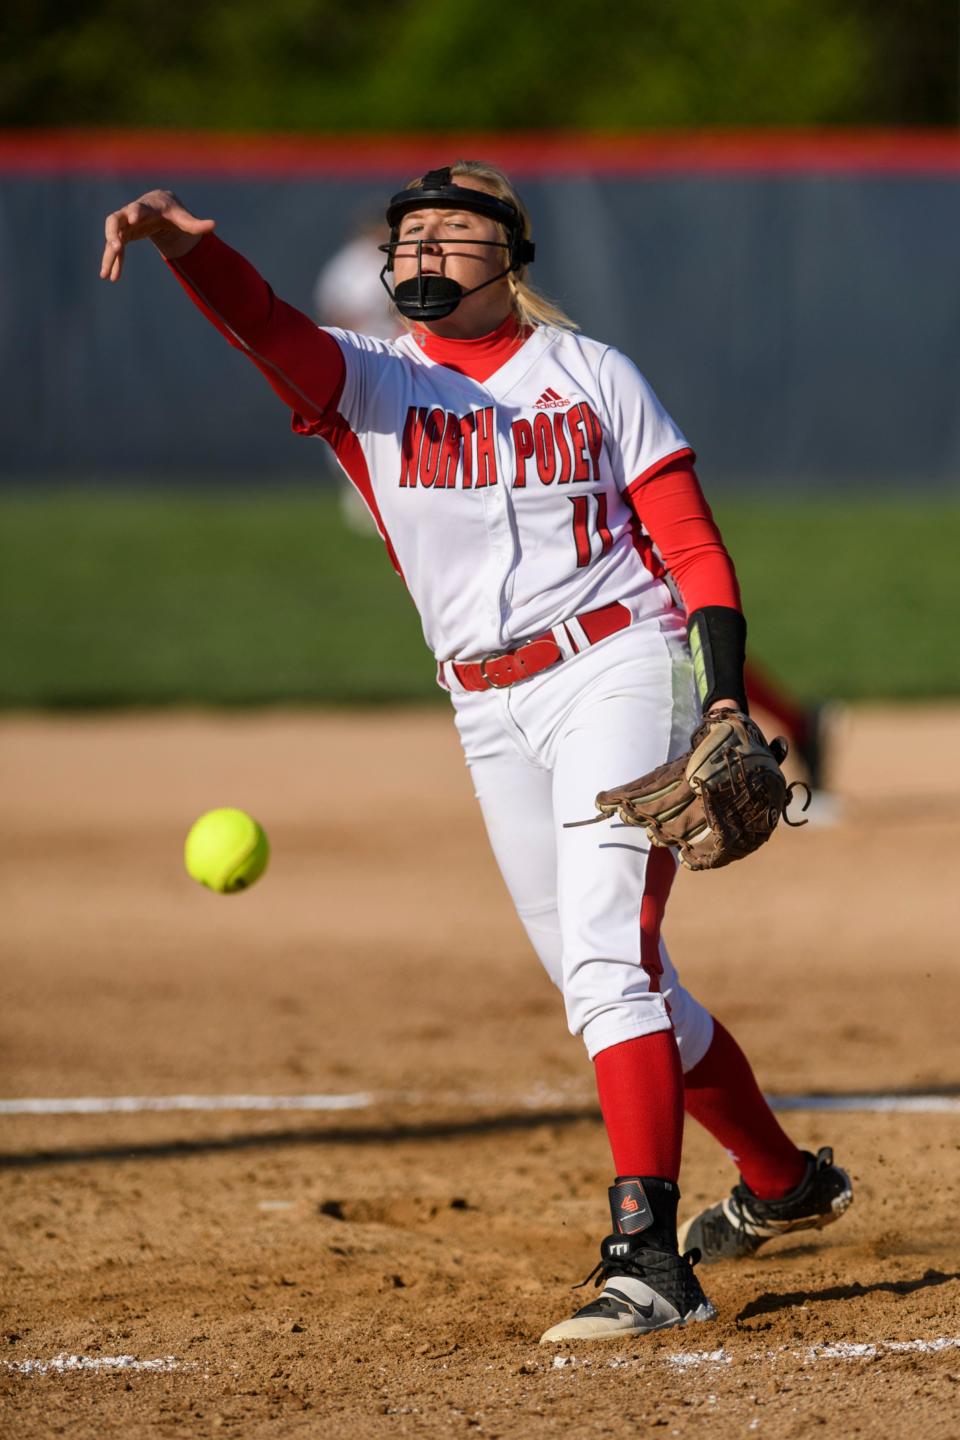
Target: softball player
{"type": "Point", "coordinates": [543, 510]}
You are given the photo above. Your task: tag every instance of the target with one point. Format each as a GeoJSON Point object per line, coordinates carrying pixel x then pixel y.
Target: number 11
{"type": "Point", "coordinates": [583, 506]}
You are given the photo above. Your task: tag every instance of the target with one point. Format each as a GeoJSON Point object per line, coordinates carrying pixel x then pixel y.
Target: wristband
{"type": "Point", "coordinates": [718, 640]}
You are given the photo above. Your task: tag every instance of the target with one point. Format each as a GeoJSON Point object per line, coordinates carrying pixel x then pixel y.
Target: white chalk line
{"type": "Point", "coordinates": [137, 1104]}
{"type": "Point", "coordinates": [806, 1355]}
{"type": "Point", "coordinates": [908, 1104]}
{"type": "Point", "coordinates": [362, 1100]}
{"type": "Point", "coordinates": [65, 1364]}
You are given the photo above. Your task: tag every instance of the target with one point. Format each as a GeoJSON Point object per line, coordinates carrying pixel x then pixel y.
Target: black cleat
{"type": "Point", "coordinates": [737, 1226]}
{"type": "Point", "coordinates": [647, 1284]}
{"type": "Point", "coordinates": [642, 1291]}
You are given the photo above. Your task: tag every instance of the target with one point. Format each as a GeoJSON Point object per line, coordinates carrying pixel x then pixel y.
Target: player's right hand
{"type": "Point", "coordinates": [158, 216]}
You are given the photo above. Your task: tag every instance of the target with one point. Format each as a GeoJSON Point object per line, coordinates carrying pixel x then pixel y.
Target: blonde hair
{"type": "Point", "coordinates": [530, 306]}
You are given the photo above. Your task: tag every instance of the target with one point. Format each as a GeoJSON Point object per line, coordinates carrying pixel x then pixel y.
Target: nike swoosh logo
{"type": "Point", "coordinates": [646, 1311]}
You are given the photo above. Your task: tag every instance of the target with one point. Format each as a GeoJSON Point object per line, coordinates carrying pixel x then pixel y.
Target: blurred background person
{"type": "Point", "coordinates": [348, 295]}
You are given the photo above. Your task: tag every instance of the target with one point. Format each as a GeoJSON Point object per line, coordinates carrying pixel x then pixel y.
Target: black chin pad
{"type": "Point", "coordinates": [430, 298]}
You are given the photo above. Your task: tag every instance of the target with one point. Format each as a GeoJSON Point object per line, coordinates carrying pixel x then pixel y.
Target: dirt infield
{"type": "Point", "coordinates": [387, 1269]}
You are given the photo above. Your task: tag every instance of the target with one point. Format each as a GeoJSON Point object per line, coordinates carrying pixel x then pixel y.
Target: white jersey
{"type": "Point", "coordinates": [504, 503]}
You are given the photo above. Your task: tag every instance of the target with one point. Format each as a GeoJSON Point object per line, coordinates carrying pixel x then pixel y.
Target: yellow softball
{"type": "Point", "coordinates": [226, 850]}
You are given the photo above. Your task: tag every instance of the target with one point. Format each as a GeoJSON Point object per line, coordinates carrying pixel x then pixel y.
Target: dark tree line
{"type": "Point", "coordinates": [359, 65]}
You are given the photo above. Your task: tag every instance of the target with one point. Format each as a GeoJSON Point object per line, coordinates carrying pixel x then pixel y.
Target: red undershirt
{"type": "Point", "coordinates": [305, 366]}
{"type": "Point", "coordinates": [477, 359]}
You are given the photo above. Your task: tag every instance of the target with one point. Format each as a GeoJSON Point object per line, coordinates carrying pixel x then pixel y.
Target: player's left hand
{"type": "Point", "coordinates": [717, 803]}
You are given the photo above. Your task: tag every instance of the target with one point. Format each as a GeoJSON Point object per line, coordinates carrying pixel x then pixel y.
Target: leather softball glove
{"type": "Point", "coordinates": [717, 803]}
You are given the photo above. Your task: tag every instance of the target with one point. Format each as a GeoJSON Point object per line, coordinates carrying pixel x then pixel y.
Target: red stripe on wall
{"type": "Point", "coordinates": [396, 157]}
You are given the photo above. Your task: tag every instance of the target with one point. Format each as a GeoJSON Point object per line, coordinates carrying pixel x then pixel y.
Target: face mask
{"type": "Point", "coordinates": [432, 297]}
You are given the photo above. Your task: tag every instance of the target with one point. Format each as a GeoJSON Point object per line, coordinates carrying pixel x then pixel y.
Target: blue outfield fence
{"type": "Point", "coordinates": [797, 309]}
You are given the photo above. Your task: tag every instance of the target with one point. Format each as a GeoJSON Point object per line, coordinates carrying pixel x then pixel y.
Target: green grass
{"type": "Point", "coordinates": [854, 598]}
{"type": "Point", "coordinates": [159, 598]}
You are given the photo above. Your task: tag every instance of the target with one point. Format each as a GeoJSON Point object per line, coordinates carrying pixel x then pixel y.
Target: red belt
{"type": "Point", "coordinates": [505, 668]}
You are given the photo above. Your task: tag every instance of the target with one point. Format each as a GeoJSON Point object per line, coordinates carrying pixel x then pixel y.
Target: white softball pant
{"type": "Point", "coordinates": [590, 898]}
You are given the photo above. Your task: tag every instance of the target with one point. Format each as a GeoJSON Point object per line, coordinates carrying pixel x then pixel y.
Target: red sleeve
{"type": "Point", "coordinates": [303, 363]}
{"type": "Point", "coordinates": [670, 505]}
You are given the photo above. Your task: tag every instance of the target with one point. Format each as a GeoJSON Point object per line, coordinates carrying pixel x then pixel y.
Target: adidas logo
{"type": "Point", "coordinates": [628, 1203]}
{"type": "Point", "coordinates": [550, 400]}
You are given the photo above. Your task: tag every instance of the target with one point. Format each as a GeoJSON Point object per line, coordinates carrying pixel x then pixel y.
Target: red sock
{"type": "Point", "coordinates": [722, 1093]}
{"type": "Point", "coordinates": [640, 1084]}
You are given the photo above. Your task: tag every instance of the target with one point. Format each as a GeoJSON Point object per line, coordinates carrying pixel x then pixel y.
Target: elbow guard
{"type": "Point", "coordinates": [718, 640]}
